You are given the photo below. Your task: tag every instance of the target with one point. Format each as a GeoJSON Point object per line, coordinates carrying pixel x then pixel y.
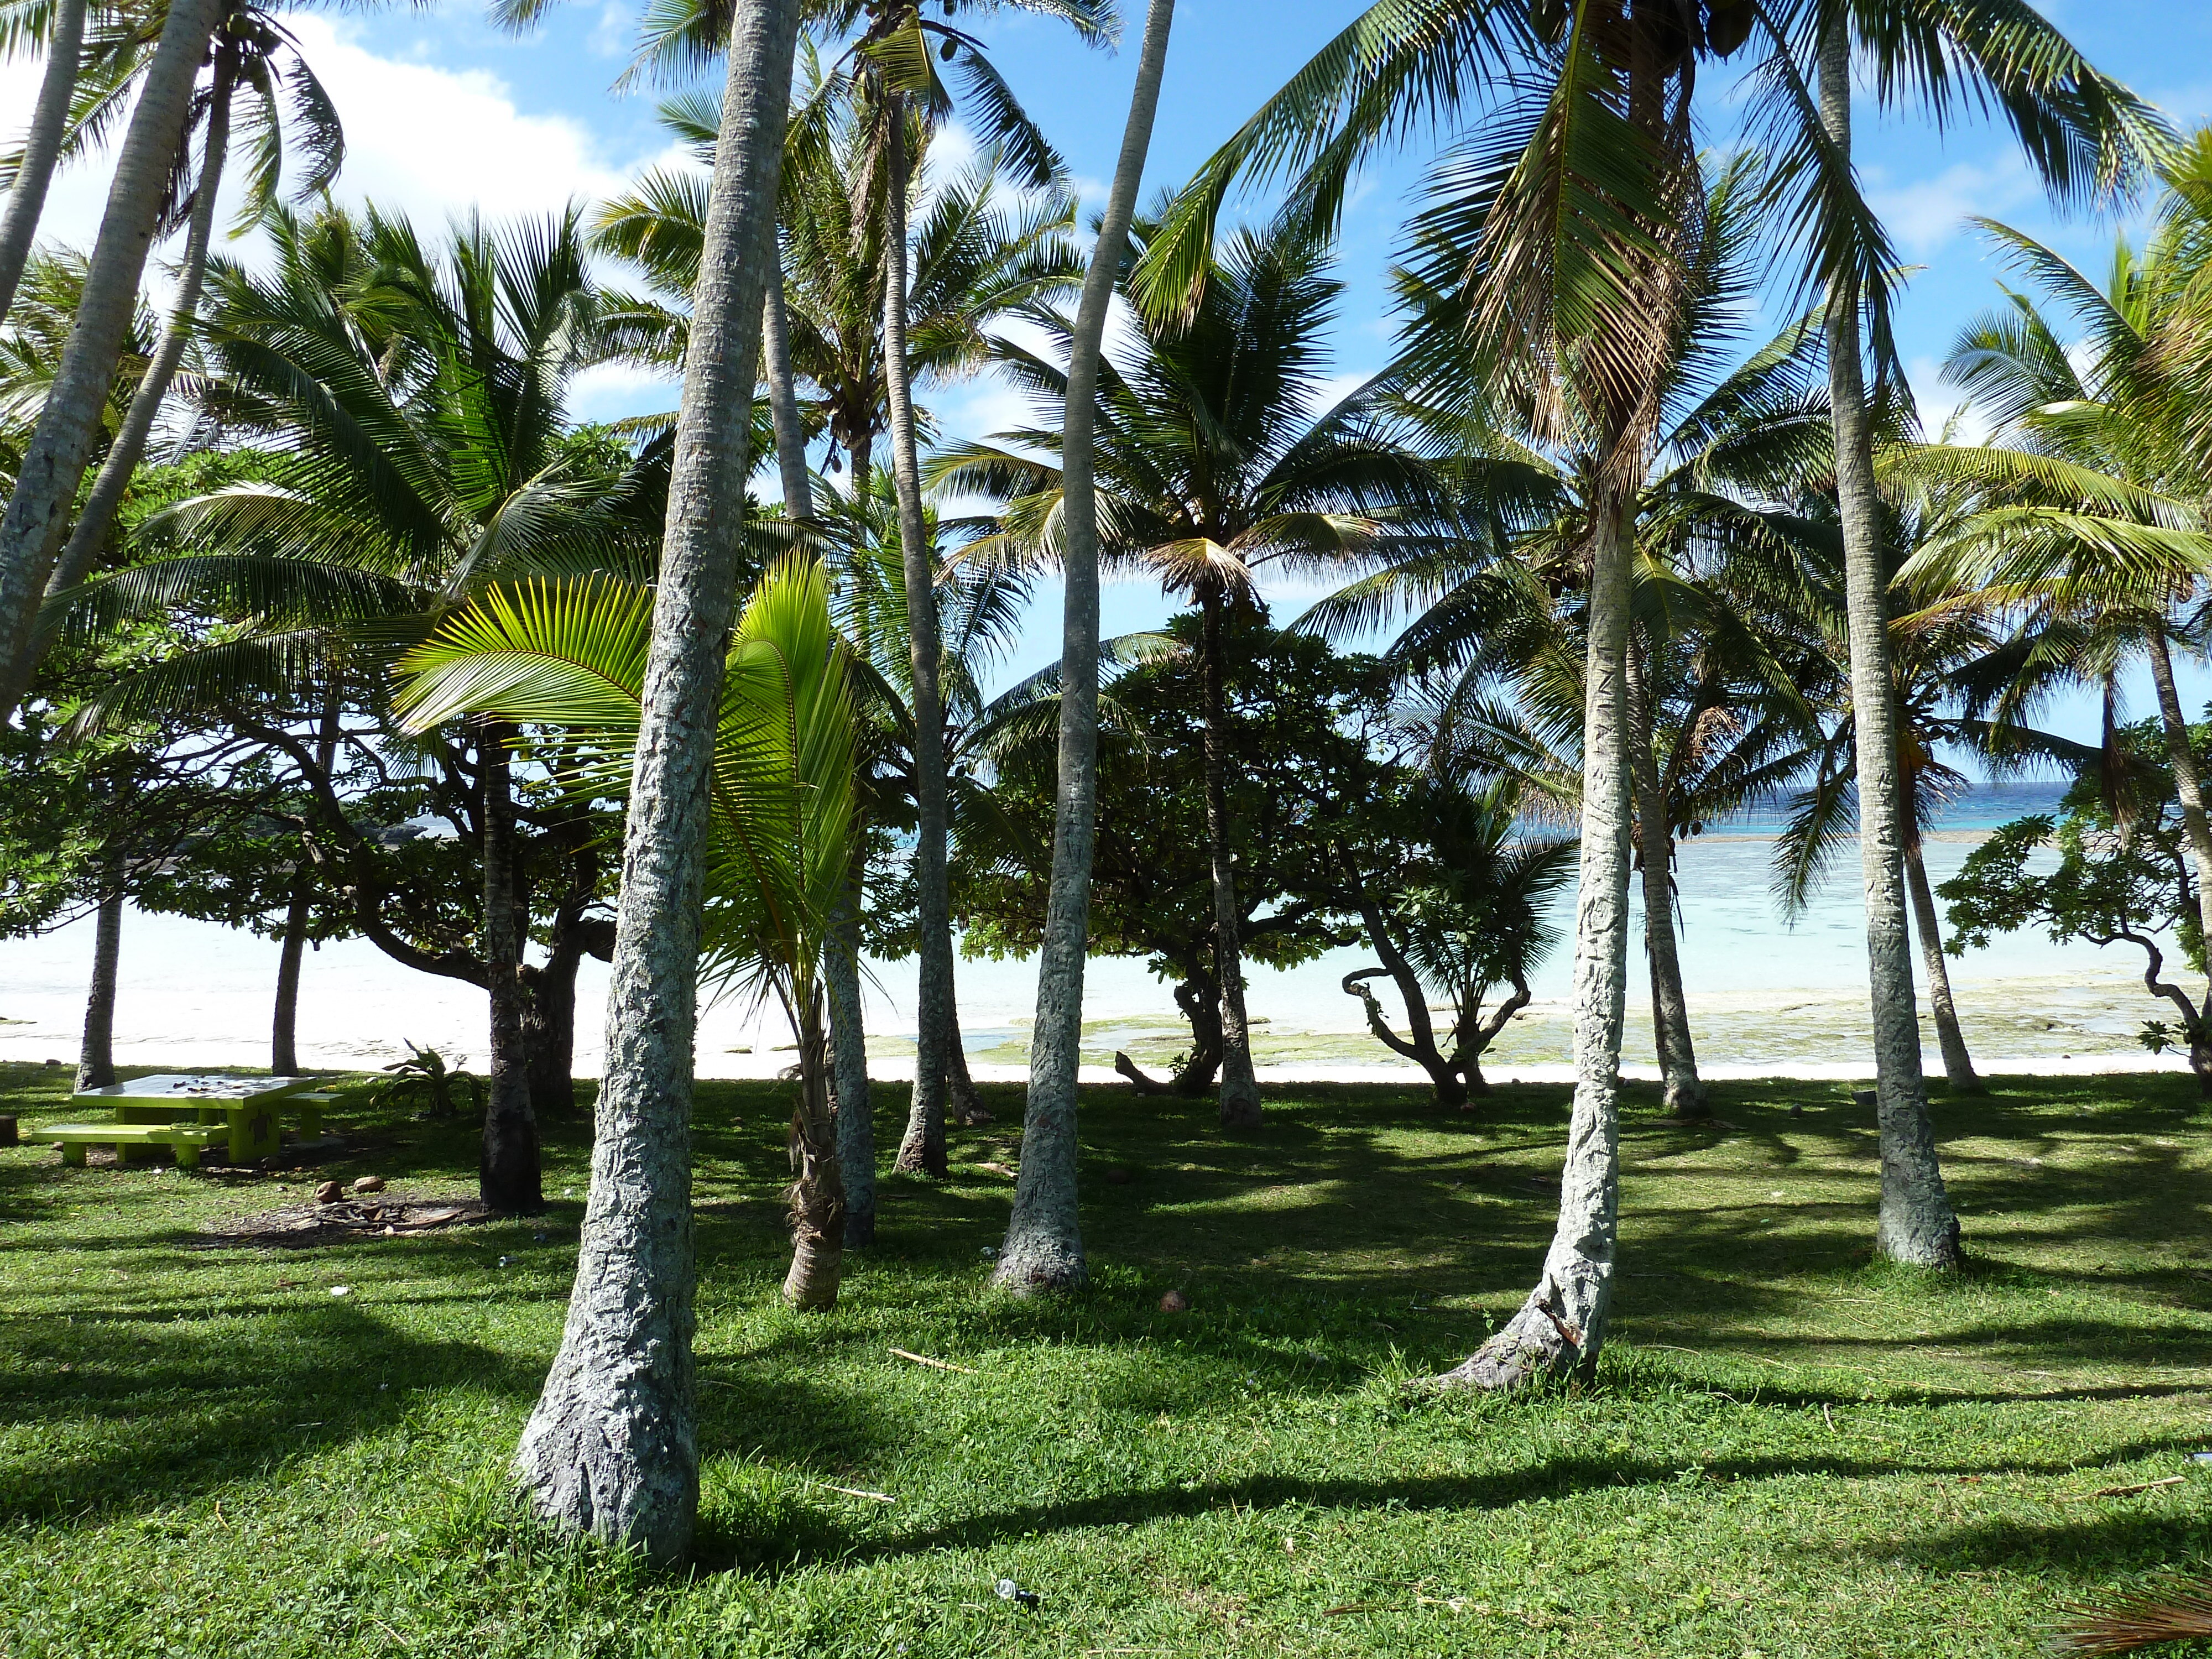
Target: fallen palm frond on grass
{"type": "Point", "coordinates": [2145, 1619]}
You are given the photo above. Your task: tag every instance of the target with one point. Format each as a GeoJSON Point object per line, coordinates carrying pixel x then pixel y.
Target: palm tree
{"type": "Point", "coordinates": [257, 58]}
{"type": "Point", "coordinates": [1044, 1247]}
{"type": "Point", "coordinates": [1729, 423]}
{"type": "Point", "coordinates": [416, 402]}
{"type": "Point", "coordinates": [1575, 117]}
{"type": "Point", "coordinates": [54, 461]}
{"type": "Point", "coordinates": [59, 29]}
{"type": "Point", "coordinates": [889, 71]}
{"type": "Point", "coordinates": [1213, 471]}
{"type": "Point", "coordinates": [2088, 509]}
{"type": "Point", "coordinates": [572, 656]}
{"type": "Point", "coordinates": [612, 1446]}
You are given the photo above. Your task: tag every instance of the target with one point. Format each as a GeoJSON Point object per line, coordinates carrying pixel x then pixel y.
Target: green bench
{"type": "Point", "coordinates": [188, 1140]}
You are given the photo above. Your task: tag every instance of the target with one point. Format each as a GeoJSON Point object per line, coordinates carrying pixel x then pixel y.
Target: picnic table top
{"type": "Point", "coordinates": [190, 1085]}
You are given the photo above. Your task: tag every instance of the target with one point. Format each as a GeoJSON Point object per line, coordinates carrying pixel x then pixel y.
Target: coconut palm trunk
{"type": "Point", "coordinates": [121, 463]}
{"type": "Point", "coordinates": [922, 1150]}
{"type": "Point", "coordinates": [612, 1447]}
{"type": "Point", "coordinates": [1670, 1008]}
{"type": "Point", "coordinates": [61, 445]}
{"type": "Point", "coordinates": [2188, 783]}
{"type": "Point", "coordinates": [1958, 1063]}
{"type": "Point", "coordinates": [95, 1060]}
{"type": "Point", "coordinates": [1915, 1222]}
{"type": "Point", "coordinates": [1561, 1326]}
{"type": "Point", "coordinates": [817, 1198]}
{"type": "Point", "coordinates": [1240, 1090]}
{"type": "Point", "coordinates": [508, 1175]}
{"type": "Point", "coordinates": [1044, 1247]}
{"type": "Point", "coordinates": [783, 396]}
{"type": "Point", "coordinates": [42, 146]}
{"type": "Point", "coordinates": [849, 1067]}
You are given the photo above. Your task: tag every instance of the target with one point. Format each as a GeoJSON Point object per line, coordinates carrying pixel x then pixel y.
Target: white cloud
{"type": "Point", "coordinates": [1925, 214]}
{"type": "Point", "coordinates": [1937, 403]}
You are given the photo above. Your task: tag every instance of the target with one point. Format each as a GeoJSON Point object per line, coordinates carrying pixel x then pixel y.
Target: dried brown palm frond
{"type": "Point", "coordinates": [2175, 1613]}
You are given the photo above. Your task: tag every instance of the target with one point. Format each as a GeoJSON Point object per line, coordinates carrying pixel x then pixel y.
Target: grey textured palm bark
{"type": "Point", "coordinates": [1915, 1222]}
{"type": "Point", "coordinates": [1043, 1247]}
{"type": "Point", "coordinates": [612, 1447]}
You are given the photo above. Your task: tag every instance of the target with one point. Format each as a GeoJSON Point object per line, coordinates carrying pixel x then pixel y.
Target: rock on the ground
{"type": "Point", "coordinates": [329, 1192]}
{"type": "Point", "coordinates": [1175, 1302]}
{"type": "Point", "coordinates": [369, 1184]}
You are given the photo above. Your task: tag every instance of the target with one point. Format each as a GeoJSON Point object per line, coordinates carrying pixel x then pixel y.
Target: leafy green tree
{"type": "Point", "coordinates": [2125, 876]}
{"type": "Point", "coordinates": [1213, 471]}
{"type": "Point", "coordinates": [1453, 892]}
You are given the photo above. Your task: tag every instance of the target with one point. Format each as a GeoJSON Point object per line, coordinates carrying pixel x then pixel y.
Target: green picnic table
{"type": "Point", "coordinates": [189, 1110]}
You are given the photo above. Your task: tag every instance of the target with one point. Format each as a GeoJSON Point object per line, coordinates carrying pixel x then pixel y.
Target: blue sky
{"type": "Point", "coordinates": [443, 110]}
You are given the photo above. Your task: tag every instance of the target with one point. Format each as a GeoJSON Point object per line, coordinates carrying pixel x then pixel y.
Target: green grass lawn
{"type": "Point", "coordinates": [1790, 1451]}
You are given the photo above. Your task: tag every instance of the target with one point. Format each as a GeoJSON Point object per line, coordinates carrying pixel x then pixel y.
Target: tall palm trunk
{"type": "Point", "coordinates": [285, 1024]}
{"type": "Point", "coordinates": [1916, 1224]}
{"type": "Point", "coordinates": [95, 1060]}
{"type": "Point", "coordinates": [783, 394]}
{"type": "Point", "coordinates": [1043, 1247]}
{"type": "Point", "coordinates": [612, 1447]}
{"type": "Point", "coordinates": [2187, 783]}
{"type": "Point", "coordinates": [1958, 1063]}
{"type": "Point", "coordinates": [54, 462]}
{"type": "Point", "coordinates": [817, 1197]}
{"type": "Point", "coordinates": [124, 455]}
{"type": "Point", "coordinates": [507, 1177]}
{"type": "Point", "coordinates": [848, 1063]}
{"type": "Point", "coordinates": [1240, 1090]}
{"type": "Point", "coordinates": [1561, 1326]}
{"type": "Point", "coordinates": [922, 1150]}
{"type": "Point", "coordinates": [42, 147]}
{"type": "Point", "coordinates": [1670, 1008]}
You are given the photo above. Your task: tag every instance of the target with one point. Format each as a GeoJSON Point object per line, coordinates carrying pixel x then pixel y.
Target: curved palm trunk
{"type": "Point", "coordinates": [848, 1062]}
{"type": "Point", "coordinates": [95, 1060]}
{"type": "Point", "coordinates": [1915, 1222]}
{"type": "Point", "coordinates": [817, 1198]}
{"type": "Point", "coordinates": [1670, 1008]}
{"type": "Point", "coordinates": [42, 147]}
{"type": "Point", "coordinates": [1958, 1064]}
{"type": "Point", "coordinates": [922, 1150]}
{"type": "Point", "coordinates": [2187, 784]}
{"type": "Point", "coordinates": [507, 1175]}
{"type": "Point", "coordinates": [965, 1104]}
{"type": "Point", "coordinates": [61, 446]}
{"type": "Point", "coordinates": [124, 455]}
{"type": "Point", "coordinates": [1044, 1247]}
{"type": "Point", "coordinates": [612, 1447]}
{"type": "Point", "coordinates": [1561, 1326]}
{"type": "Point", "coordinates": [1240, 1090]}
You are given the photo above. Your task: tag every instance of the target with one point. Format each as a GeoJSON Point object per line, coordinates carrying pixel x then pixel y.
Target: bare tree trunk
{"type": "Point", "coordinates": [783, 394]}
{"type": "Point", "coordinates": [42, 147]}
{"type": "Point", "coordinates": [1561, 1326]}
{"type": "Point", "coordinates": [1670, 1008]}
{"type": "Point", "coordinates": [2186, 782]}
{"type": "Point", "coordinates": [60, 446]}
{"type": "Point", "coordinates": [922, 1150]}
{"type": "Point", "coordinates": [1916, 1224]}
{"type": "Point", "coordinates": [95, 1060]}
{"type": "Point", "coordinates": [507, 1175]}
{"type": "Point", "coordinates": [1043, 1247]}
{"type": "Point", "coordinates": [1958, 1063]}
{"type": "Point", "coordinates": [283, 1046]}
{"type": "Point", "coordinates": [817, 1197]}
{"type": "Point", "coordinates": [849, 1077]}
{"type": "Point", "coordinates": [965, 1104]}
{"type": "Point", "coordinates": [121, 465]}
{"type": "Point", "coordinates": [1240, 1090]}
{"type": "Point", "coordinates": [612, 1447]}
